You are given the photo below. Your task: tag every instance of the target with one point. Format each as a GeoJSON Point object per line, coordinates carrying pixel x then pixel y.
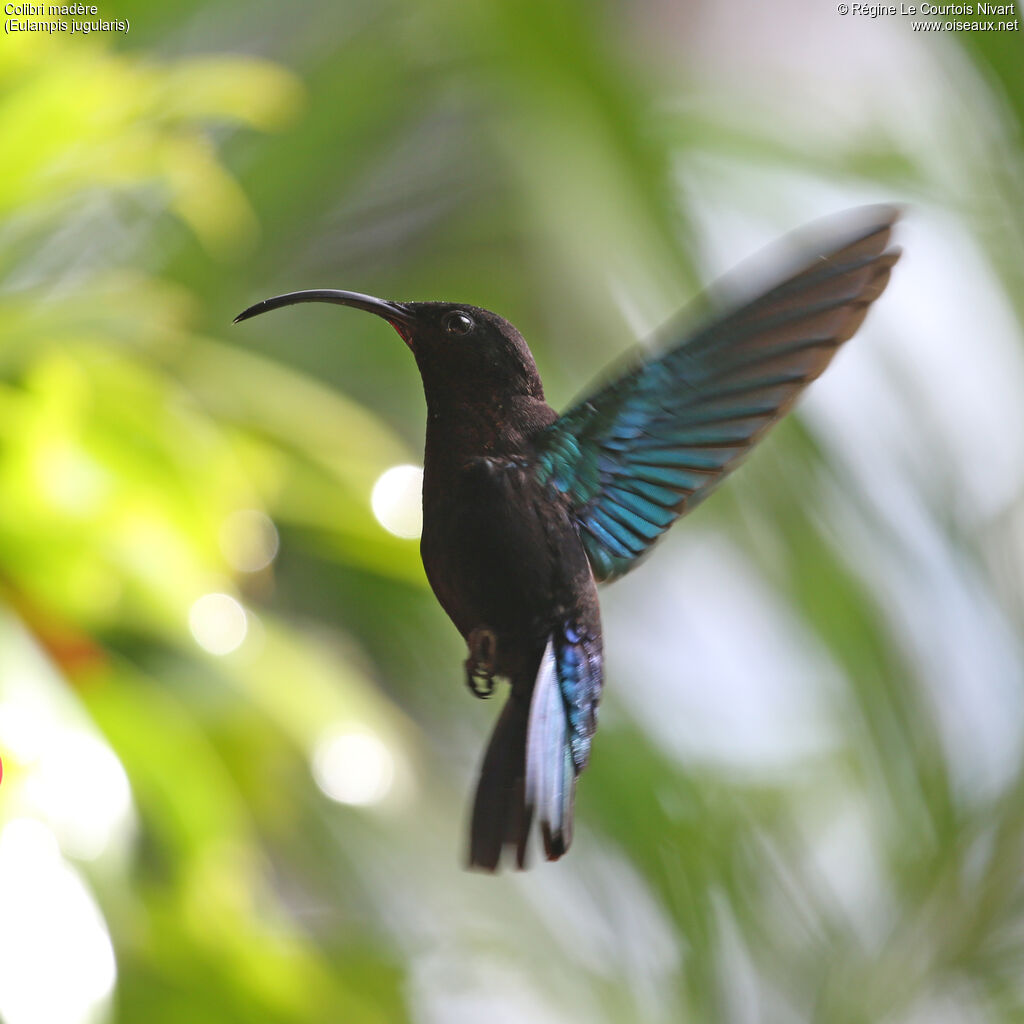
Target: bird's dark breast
{"type": "Point", "coordinates": [501, 554]}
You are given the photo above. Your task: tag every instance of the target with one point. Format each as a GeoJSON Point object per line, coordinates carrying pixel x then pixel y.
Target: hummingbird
{"type": "Point", "coordinates": [526, 511]}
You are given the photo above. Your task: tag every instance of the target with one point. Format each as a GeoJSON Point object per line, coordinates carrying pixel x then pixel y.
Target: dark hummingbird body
{"type": "Point", "coordinates": [524, 511]}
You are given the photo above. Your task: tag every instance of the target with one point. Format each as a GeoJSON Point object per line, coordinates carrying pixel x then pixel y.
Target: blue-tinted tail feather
{"type": "Point", "coordinates": [563, 717]}
{"type": "Point", "coordinates": [550, 772]}
{"type": "Point", "coordinates": [537, 751]}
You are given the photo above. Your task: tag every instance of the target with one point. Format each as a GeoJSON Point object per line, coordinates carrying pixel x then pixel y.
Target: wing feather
{"type": "Point", "coordinates": [651, 445]}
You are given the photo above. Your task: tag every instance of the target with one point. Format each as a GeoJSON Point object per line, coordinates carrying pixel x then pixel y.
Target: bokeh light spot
{"type": "Point", "coordinates": [68, 776]}
{"type": "Point", "coordinates": [22, 731]}
{"type": "Point", "coordinates": [353, 767]}
{"type": "Point", "coordinates": [57, 963]}
{"type": "Point", "coordinates": [397, 503]}
{"type": "Point", "coordinates": [82, 789]}
{"type": "Point", "coordinates": [249, 540]}
{"type": "Point", "coordinates": [218, 623]}
{"type": "Point", "coordinates": [70, 479]}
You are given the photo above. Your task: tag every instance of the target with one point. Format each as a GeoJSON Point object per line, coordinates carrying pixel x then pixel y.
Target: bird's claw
{"type": "Point", "coordinates": [480, 665]}
{"type": "Point", "coordinates": [480, 684]}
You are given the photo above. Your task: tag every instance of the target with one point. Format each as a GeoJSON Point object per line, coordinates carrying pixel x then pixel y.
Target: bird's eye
{"type": "Point", "coordinates": [458, 323]}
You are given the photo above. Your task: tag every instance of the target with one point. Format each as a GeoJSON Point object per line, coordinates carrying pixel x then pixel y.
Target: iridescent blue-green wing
{"type": "Point", "coordinates": [651, 445]}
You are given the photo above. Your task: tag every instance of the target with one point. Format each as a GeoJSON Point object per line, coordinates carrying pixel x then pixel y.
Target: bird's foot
{"type": "Point", "coordinates": [481, 663]}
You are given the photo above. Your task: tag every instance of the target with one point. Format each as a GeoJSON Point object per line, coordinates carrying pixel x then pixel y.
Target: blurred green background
{"type": "Point", "coordinates": [237, 746]}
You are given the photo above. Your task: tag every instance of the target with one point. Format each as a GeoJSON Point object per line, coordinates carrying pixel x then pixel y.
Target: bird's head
{"type": "Point", "coordinates": [457, 347]}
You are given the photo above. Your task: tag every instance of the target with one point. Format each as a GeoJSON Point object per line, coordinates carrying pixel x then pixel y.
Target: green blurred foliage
{"type": "Point", "coordinates": [524, 156]}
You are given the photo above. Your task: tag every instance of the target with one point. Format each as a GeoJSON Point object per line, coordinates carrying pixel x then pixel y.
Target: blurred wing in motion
{"type": "Point", "coordinates": [651, 445]}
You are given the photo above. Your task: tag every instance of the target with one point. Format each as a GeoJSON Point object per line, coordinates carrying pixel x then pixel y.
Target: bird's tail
{"type": "Point", "coordinates": [550, 769]}
{"type": "Point", "coordinates": [500, 815]}
{"type": "Point", "coordinates": [528, 767]}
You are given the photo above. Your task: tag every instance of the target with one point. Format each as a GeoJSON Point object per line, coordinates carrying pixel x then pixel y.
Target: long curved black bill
{"type": "Point", "coordinates": [393, 312]}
